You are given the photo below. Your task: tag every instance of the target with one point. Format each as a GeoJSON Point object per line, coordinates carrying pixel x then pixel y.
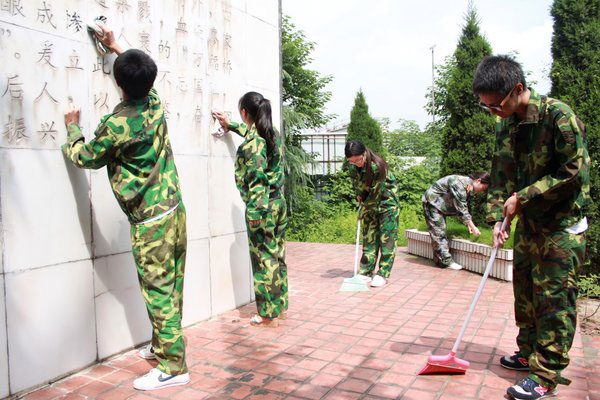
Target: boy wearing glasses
{"type": "Point", "coordinates": [540, 172]}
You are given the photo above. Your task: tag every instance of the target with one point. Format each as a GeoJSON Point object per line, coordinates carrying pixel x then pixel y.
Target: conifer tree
{"type": "Point", "coordinates": [363, 127]}
{"type": "Point", "coordinates": [575, 76]}
{"type": "Point", "coordinates": [467, 130]}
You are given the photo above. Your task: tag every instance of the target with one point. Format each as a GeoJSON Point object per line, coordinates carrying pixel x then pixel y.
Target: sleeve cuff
{"type": "Point", "coordinates": [522, 196]}
{"type": "Point", "coordinates": [254, 215]}
{"type": "Point", "coordinates": [493, 219]}
{"type": "Point", "coordinates": [73, 132]}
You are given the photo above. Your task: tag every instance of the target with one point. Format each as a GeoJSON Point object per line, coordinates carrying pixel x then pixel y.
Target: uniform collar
{"type": "Point", "coordinates": [131, 102]}
{"type": "Point", "coordinates": [252, 133]}
{"type": "Point", "coordinates": [532, 114]}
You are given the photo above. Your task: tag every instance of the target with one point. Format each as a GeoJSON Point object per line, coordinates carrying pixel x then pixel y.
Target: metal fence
{"type": "Point", "coordinates": [328, 150]}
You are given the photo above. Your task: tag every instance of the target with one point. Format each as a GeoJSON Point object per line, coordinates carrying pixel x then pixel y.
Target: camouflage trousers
{"type": "Point", "coordinates": [267, 255]}
{"type": "Point", "coordinates": [545, 289]}
{"type": "Point", "coordinates": [436, 224]}
{"type": "Point", "coordinates": [380, 233]}
{"type": "Point", "coordinates": [159, 249]}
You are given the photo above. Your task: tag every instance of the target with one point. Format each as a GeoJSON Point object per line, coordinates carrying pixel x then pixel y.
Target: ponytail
{"type": "Point", "coordinates": [382, 166]}
{"type": "Point", "coordinates": [264, 124]}
{"type": "Point", "coordinates": [259, 111]}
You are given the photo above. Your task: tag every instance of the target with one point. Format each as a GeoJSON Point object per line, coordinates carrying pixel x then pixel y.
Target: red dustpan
{"type": "Point", "coordinates": [451, 364]}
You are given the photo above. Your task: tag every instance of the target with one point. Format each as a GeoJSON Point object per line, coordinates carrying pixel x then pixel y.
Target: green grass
{"type": "Point", "coordinates": [456, 229]}
{"type": "Point", "coordinates": [342, 229]}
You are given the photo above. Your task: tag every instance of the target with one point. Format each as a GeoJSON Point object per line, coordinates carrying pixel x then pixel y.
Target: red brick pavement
{"type": "Point", "coordinates": [337, 345]}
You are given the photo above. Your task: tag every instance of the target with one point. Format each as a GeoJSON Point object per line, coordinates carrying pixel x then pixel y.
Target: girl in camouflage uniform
{"type": "Point", "coordinates": [259, 178]}
{"type": "Point", "coordinates": [449, 196]}
{"type": "Point", "coordinates": [376, 193]}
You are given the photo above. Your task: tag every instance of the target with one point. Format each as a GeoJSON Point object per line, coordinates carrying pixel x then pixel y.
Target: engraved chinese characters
{"type": "Point", "coordinates": [48, 57]}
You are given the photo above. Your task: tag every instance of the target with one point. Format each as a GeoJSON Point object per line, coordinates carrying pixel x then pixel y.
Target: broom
{"type": "Point", "coordinates": [451, 364]}
{"type": "Point", "coordinates": [355, 284]}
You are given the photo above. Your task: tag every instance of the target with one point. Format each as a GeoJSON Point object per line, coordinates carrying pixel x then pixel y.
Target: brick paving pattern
{"type": "Point", "coordinates": [342, 346]}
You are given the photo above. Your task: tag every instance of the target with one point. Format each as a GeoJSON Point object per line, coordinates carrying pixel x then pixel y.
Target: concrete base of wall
{"type": "Point", "coordinates": [472, 256]}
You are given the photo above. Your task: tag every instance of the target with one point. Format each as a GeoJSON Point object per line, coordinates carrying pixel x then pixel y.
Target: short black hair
{"type": "Point", "coordinates": [498, 74]}
{"type": "Point", "coordinates": [135, 72]}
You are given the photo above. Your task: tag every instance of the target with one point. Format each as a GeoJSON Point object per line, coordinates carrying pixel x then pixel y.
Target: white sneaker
{"type": "Point", "coordinates": [378, 281]}
{"type": "Point", "coordinates": [454, 266]}
{"type": "Point", "coordinates": [147, 353]}
{"type": "Point", "coordinates": [156, 379]}
{"type": "Point", "coordinates": [364, 278]}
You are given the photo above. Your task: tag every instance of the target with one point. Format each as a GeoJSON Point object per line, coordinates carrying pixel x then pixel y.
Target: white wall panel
{"type": "Point", "coordinates": [67, 265]}
{"type": "Point", "coordinates": [50, 317]}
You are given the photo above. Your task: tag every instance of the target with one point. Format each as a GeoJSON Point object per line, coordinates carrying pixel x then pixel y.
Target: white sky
{"type": "Point", "coordinates": [383, 46]}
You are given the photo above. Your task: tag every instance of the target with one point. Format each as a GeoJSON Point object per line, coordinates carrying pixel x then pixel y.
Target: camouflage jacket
{"type": "Point", "coordinates": [258, 177]}
{"type": "Point", "coordinates": [450, 196]}
{"type": "Point", "coordinates": [545, 160]}
{"type": "Point", "coordinates": [381, 194]}
{"type": "Point", "coordinates": [133, 143]}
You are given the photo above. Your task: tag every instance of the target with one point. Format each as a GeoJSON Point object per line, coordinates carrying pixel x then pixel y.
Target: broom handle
{"type": "Point", "coordinates": [356, 251]}
{"type": "Point", "coordinates": [488, 268]}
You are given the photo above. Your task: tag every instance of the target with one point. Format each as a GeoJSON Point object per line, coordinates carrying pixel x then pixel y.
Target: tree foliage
{"type": "Point", "coordinates": [467, 131]}
{"type": "Point", "coordinates": [409, 140]}
{"type": "Point", "coordinates": [363, 126]}
{"type": "Point", "coordinates": [575, 76]}
{"type": "Point", "coordinates": [303, 88]}
{"type": "Point", "coordinates": [304, 100]}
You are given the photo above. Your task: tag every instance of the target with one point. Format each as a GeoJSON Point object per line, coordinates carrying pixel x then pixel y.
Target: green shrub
{"type": "Point", "coordinates": [337, 229]}
{"type": "Point", "coordinates": [340, 191]}
{"type": "Point", "coordinates": [589, 285]}
{"type": "Point", "coordinates": [306, 213]}
{"type": "Point", "coordinates": [410, 218]}
{"type": "Point", "coordinates": [456, 229]}
{"type": "Point", "coordinates": [341, 228]}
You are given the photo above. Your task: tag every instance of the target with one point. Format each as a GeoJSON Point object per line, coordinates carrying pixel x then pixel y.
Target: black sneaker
{"type": "Point", "coordinates": [529, 389]}
{"type": "Point", "coordinates": [516, 362]}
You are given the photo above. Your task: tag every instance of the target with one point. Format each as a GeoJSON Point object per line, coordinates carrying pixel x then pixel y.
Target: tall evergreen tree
{"type": "Point", "coordinates": [575, 76]}
{"type": "Point", "coordinates": [363, 127]}
{"type": "Point", "coordinates": [468, 131]}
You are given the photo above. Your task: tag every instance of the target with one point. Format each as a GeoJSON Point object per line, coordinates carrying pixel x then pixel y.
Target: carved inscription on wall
{"type": "Point", "coordinates": [48, 58]}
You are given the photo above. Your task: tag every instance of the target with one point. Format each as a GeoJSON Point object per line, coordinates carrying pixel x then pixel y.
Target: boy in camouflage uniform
{"type": "Point", "coordinates": [449, 196]}
{"type": "Point", "coordinates": [379, 205]}
{"type": "Point", "coordinates": [540, 172]}
{"type": "Point", "coordinates": [133, 144]}
{"type": "Point", "coordinates": [259, 179]}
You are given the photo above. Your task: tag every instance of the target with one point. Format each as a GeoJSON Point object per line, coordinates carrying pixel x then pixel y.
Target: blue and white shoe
{"type": "Point", "coordinates": [147, 352]}
{"type": "Point", "coordinates": [528, 389]}
{"type": "Point", "coordinates": [156, 379]}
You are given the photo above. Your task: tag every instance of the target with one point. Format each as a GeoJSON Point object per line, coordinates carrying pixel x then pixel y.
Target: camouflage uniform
{"type": "Point", "coordinates": [544, 159]}
{"type": "Point", "coordinates": [132, 142]}
{"type": "Point", "coordinates": [380, 212]}
{"type": "Point", "coordinates": [448, 196]}
{"type": "Point", "coordinates": [259, 179]}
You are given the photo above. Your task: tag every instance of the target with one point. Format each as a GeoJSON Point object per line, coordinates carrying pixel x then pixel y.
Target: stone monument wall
{"type": "Point", "coordinates": [69, 294]}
